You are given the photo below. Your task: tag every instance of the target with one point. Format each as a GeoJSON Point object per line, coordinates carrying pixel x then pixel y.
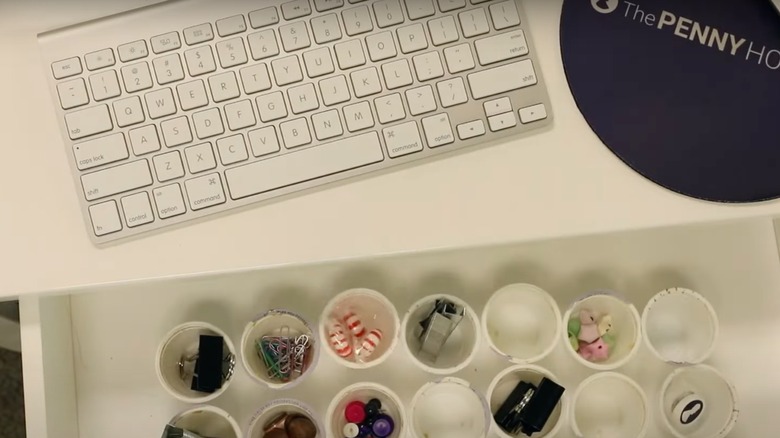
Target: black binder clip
{"type": "Point", "coordinates": [208, 375]}
{"type": "Point", "coordinates": [437, 327]}
{"type": "Point", "coordinates": [529, 407]}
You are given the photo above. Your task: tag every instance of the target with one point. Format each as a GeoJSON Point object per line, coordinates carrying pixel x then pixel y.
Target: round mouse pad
{"type": "Point", "coordinates": [687, 93]}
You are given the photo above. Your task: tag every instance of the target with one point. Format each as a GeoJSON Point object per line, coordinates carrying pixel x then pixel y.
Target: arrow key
{"type": "Point", "coordinates": [471, 129]}
{"type": "Point", "coordinates": [502, 121]}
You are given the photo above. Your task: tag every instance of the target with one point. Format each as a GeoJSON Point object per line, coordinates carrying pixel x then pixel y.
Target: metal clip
{"type": "Point", "coordinates": [438, 326]}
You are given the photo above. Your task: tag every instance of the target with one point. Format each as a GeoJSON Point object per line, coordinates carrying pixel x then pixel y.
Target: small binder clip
{"type": "Point", "coordinates": [208, 374]}
{"type": "Point", "coordinates": [176, 432]}
{"type": "Point", "coordinates": [528, 407]}
{"type": "Point", "coordinates": [437, 327]}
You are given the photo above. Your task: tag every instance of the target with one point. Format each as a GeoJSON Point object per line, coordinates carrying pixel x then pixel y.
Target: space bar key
{"type": "Point", "coordinates": [308, 164]}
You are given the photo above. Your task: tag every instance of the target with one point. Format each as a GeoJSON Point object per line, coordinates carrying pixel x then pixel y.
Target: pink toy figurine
{"type": "Point", "coordinates": [597, 351]}
{"type": "Point", "coordinates": [589, 331]}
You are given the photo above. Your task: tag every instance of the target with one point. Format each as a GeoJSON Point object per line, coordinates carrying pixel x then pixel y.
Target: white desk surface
{"type": "Point", "coordinates": [561, 182]}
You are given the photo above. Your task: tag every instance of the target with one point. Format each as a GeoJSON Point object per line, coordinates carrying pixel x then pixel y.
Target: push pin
{"type": "Point", "coordinates": [437, 327]}
{"type": "Point", "coordinates": [529, 407]}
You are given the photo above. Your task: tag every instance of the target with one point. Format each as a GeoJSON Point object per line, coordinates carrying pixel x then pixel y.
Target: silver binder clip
{"type": "Point", "coordinates": [437, 327]}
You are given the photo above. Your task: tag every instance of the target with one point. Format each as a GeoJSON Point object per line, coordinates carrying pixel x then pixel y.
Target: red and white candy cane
{"type": "Point", "coordinates": [354, 325]}
{"type": "Point", "coordinates": [339, 341]}
{"type": "Point", "coordinates": [369, 344]}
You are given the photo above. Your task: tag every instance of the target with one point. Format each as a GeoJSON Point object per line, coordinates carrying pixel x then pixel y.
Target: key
{"type": "Point", "coordinates": [114, 180]}
{"type": "Point", "coordinates": [421, 100]}
{"type": "Point", "coordinates": [200, 61]}
{"type": "Point", "coordinates": [403, 139]}
{"type": "Point", "coordinates": [497, 106]}
{"type": "Point", "coordinates": [232, 150]}
{"type": "Point", "coordinates": [168, 166]}
{"type": "Point", "coordinates": [295, 133]}
{"type": "Point", "coordinates": [451, 5]}
{"type": "Point", "coordinates": [255, 78]}
{"type": "Point", "coordinates": [287, 70]}
{"type": "Point", "coordinates": [504, 15]}
{"type": "Point", "coordinates": [271, 106]}
{"type": "Point", "coordinates": [294, 36]}
{"type": "Point", "coordinates": [358, 116]}
{"type": "Point", "coordinates": [388, 13]}
{"type": "Point", "coordinates": [452, 92]}
{"type": "Point", "coordinates": [326, 5]}
{"type": "Point", "coordinates": [318, 62]}
{"type": "Point", "coordinates": [132, 51]}
{"type": "Point", "coordinates": [160, 103]}
{"type": "Point", "coordinates": [104, 85]}
{"type": "Point", "coordinates": [66, 68]}
{"type": "Point", "coordinates": [459, 58]}
{"type": "Point", "coordinates": [501, 47]}
{"type": "Point", "coordinates": [501, 79]}
{"type": "Point", "coordinates": [350, 54]}
{"type": "Point", "coordinates": [389, 108]}
{"type": "Point", "coordinates": [169, 201]}
{"type": "Point", "coordinates": [144, 140]}
{"type": "Point", "coordinates": [366, 82]}
{"type": "Point", "coordinates": [263, 141]}
{"type": "Point", "coordinates": [381, 46]}
{"type": "Point", "coordinates": [533, 113]}
{"type": "Point", "coordinates": [303, 98]}
{"type": "Point", "coordinates": [502, 121]}
{"type": "Point", "coordinates": [334, 90]}
{"type": "Point", "coordinates": [471, 129]}
{"type": "Point", "coordinates": [231, 25]}
{"type": "Point", "coordinates": [72, 93]}
{"type": "Point", "coordinates": [176, 131]}
{"type": "Point", "coordinates": [223, 86]}
{"type": "Point", "coordinates": [327, 125]}
{"type": "Point", "coordinates": [240, 115]}
{"type": "Point", "coordinates": [357, 20]}
{"type": "Point", "coordinates": [397, 74]}
{"type": "Point", "coordinates": [128, 111]}
{"type": "Point", "coordinates": [419, 8]}
{"type": "Point", "coordinates": [205, 191]}
{"type": "Point", "coordinates": [474, 22]}
{"type": "Point", "coordinates": [89, 121]}
{"type": "Point", "coordinates": [326, 28]}
{"type": "Point", "coordinates": [100, 59]}
{"type": "Point", "coordinates": [198, 34]}
{"type": "Point", "coordinates": [100, 151]}
{"type": "Point", "coordinates": [137, 77]}
{"type": "Point", "coordinates": [137, 209]}
{"type": "Point", "coordinates": [208, 123]}
{"type": "Point", "coordinates": [412, 38]}
{"type": "Point", "coordinates": [443, 30]}
{"type": "Point", "coordinates": [308, 164]}
{"type": "Point", "coordinates": [166, 42]}
{"type": "Point", "coordinates": [231, 52]}
{"type": "Point", "coordinates": [263, 17]}
{"type": "Point", "coordinates": [438, 131]}
{"type": "Point", "coordinates": [200, 158]}
{"type": "Point", "coordinates": [168, 69]}
{"type": "Point", "coordinates": [192, 95]}
{"type": "Point", "coordinates": [105, 218]}
{"type": "Point", "coordinates": [428, 66]}
{"type": "Point", "coordinates": [263, 44]}
{"type": "Point", "coordinates": [296, 9]}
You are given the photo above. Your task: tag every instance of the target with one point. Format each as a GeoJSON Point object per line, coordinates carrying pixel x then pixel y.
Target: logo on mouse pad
{"type": "Point", "coordinates": [605, 6]}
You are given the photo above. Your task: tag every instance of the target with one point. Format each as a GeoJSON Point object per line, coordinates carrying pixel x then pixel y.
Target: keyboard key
{"type": "Point", "coordinates": [504, 14]}
{"type": "Point", "coordinates": [388, 13]}
{"type": "Point", "coordinates": [105, 218]}
{"type": "Point", "coordinates": [428, 66]}
{"type": "Point", "coordinates": [240, 115]}
{"type": "Point", "coordinates": [318, 62]}
{"type": "Point", "coordinates": [358, 117]}
{"type": "Point", "coordinates": [160, 103]}
{"type": "Point", "coordinates": [169, 201]}
{"type": "Point", "coordinates": [104, 85]}
{"type": "Point", "coordinates": [72, 93]}
{"type": "Point", "coordinates": [294, 36]}
{"type": "Point", "coordinates": [287, 70]}
{"type": "Point", "coordinates": [296, 9]}
{"type": "Point", "coordinates": [502, 121]}
{"type": "Point", "coordinates": [89, 121]}
{"type": "Point", "coordinates": [198, 34]}
{"type": "Point", "coordinates": [128, 111]}
{"type": "Point", "coordinates": [350, 54]}
{"type": "Point", "coordinates": [263, 141]}
{"type": "Point", "coordinates": [357, 20]}
{"type": "Point", "coordinates": [438, 131]}
{"type": "Point", "coordinates": [232, 150]}
{"type": "Point", "coordinates": [168, 166]}
{"type": "Point", "coordinates": [389, 108]}
{"type": "Point", "coordinates": [208, 123]}
{"type": "Point", "coordinates": [100, 59]}
{"type": "Point", "coordinates": [263, 44]}
{"type": "Point", "coordinates": [200, 61]}
{"type": "Point", "coordinates": [263, 17]}
{"type": "Point", "coordinates": [231, 52]}
{"type": "Point", "coordinates": [192, 95]}
{"type": "Point", "coordinates": [474, 22]}
{"type": "Point", "coordinates": [452, 92]}
{"type": "Point", "coordinates": [231, 25]}
{"type": "Point", "coordinates": [421, 100]}
{"type": "Point", "coordinates": [116, 180]}
{"type": "Point", "coordinates": [144, 140]}
{"type": "Point", "coordinates": [166, 42]}
{"type": "Point", "coordinates": [334, 90]}
{"type": "Point", "coordinates": [365, 82]}
{"type": "Point", "coordinates": [137, 209]}
{"type": "Point", "coordinates": [419, 8]}
{"type": "Point", "coordinates": [176, 131]}
{"type": "Point", "coordinates": [255, 78]}
{"type": "Point", "coordinates": [459, 58]}
{"type": "Point", "coordinates": [327, 5]}
{"type": "Point", "coordinates": [271, 106]}
{"type": "Point", "coordinates": [132, 51]}
{"type": "Point", "coordinates": [497, 106]}
{"type": "Point", "coordinates": [403, 139]}
{"type": "Point", "coordinates": [303, 98]}
{"type": "Point", "coordinates": [326, 28]}
{"type": "Point", "coordinates": [381, 46]}
{"type": "Point", "coordinates": [205, 191]}
{"type": "Point", "coordinates": [533, 113]}
{"type": "Point", "coordinates": [100, 151]}
{"type": "Point", "coordinates": [289, 169]}
{"type": "Point", "coordinates": [224, 87]}
{"type": "Point", "coordinates": [443, 30]}
{"type": "Point", "coordinates": [137, 77]}
{"type": "Point", "coordinates": [501, 79]}
{"type": "Point", "coordinates": [295, 133]}
{"type": "Point", "coordinates": [397, 74]}
{"type": "Point", "coordinates": [471, 129]}
{"type": "Point", "coordinates": [327, 125]}
{"type": "Point", "coordinates": [501, 47]}
{"type": "Point", "coordinates": [200, 158]}
{"type": "Point", "coordinates": [412, 38]}
{"type": "Point", "coordinates": [66, 68]}
{"type": "Point", "coordinates": [451, 5]}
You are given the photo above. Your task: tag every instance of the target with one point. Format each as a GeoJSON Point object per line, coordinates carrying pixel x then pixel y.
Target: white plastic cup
{"type": "Point", "coordinates": [522, 322]}
{"type": "Point", "coordinates": [680, 326]}
{"type": "Point", "coordinates": [626, 328]}
{"type": "Point", "coordinates": [506, 381]}
{"type": "Point", "coordinates": [375, 312]}
{"type": "Point", "coordinates": [610, 405]}
{"type": "Point", "coordinates": [274, 409]}
{"type": "Point", "coordinates": [183, 340]}
{"type": "Point", "coordinates": [449, 408]}
{"type": "Point", "coordinates": [207, 421]}
{"type": "Point", "coordinates": [461, 346]}
{"type": "Point", "coordinates": [698, 402]}
{"type": "Point", "coordinates": [272, 323]}
{"type": "Point", "coordinates": [391, 405]}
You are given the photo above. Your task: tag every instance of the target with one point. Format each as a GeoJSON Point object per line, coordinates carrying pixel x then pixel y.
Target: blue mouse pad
{"type": "Point", "coordinates": [687, 93]}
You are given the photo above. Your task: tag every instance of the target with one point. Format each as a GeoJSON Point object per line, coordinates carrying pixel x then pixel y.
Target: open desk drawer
{"type": "Point", "coordinates": [89, 356]}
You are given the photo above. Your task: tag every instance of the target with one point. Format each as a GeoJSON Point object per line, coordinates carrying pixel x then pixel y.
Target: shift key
{"type": "Point", "coordinates": [117, 179]}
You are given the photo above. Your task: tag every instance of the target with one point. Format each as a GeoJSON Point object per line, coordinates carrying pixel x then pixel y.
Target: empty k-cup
{"type": "Point", "coordinates": [180, 346]}
{"type": "Point", "coordinates": [680, 326]}
{"type": "Point", "coordinates": [346, 412]}
{"type": "Point", "coordinates": [207, 421]}
{"type": "Point", "coordinates": [458, 349]}
{"type": "Point", "coordinates": [359, 328]}
{"type": "Point", "coordinates": [698, 402]}
{"type": "Point", "coordinates": [606, 329]}
{"type": "Point", "coordinates": [285, 415]}
{"type": "Point", "coordinates": [610, 405]}
{"type": "Point", "coordinates": [277, 326]}
{"type": "Point", "coordinates": [522, 322]}
{"type": "Point", "coordinates": [449, 408]}
{"type": "Point", "coordinates": [505, 382]}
